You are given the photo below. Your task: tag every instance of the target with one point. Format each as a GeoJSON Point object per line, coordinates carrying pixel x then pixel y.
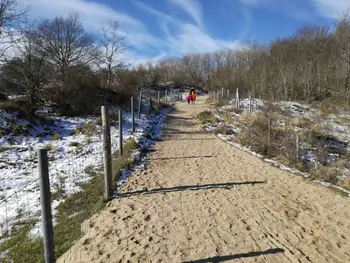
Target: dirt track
{"type": "Point", "coordinates": [202, 200]}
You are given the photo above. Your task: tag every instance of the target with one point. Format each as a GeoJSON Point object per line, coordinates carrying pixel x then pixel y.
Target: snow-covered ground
{"type": "Point", "coordinates": [335, 125]}
{"type": "Point", "coordinates": [72, 155]}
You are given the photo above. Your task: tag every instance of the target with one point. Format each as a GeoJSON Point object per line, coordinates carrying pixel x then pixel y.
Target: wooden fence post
{"type": "Point", "coordinates": [120, 133]}
{"type": "Point", "coordinates": [107, 154]}
{"type": "Point", "coordinates": [297, 144]}
{"type": "Point", "coordinates": [269, 133]}
{"type": "Point", "coordinates": [250, 105]}
{"type": "Point", "coordinates": [237, 100]}
{"type": "Point", "coordinates": [46, 212]}
{"type": "Point", "coordinates": [132, 115]}
{"type": "Point", "coordinates": [140, 105]}
{"type": "Point", "coordinates": [150, 101]}
{"type": "Point", "coordinates": [228, 94]}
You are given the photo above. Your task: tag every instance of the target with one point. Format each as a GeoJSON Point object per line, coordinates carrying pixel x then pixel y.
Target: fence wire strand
{"type": "Point", "coordinates": [75, 157]}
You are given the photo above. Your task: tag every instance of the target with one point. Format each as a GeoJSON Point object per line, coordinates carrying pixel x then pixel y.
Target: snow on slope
{"type": "Point", "coordinates": [337, 125]}
{"type": "Point", "coordinates": [71, 156]}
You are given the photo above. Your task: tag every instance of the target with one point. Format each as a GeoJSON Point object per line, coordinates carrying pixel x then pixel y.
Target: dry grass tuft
{"type": "Point", "coordinates": [301, 122]}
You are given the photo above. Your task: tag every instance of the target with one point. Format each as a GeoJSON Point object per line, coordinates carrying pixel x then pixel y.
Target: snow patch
{"type": "Point", "coordinates": [72, 158]}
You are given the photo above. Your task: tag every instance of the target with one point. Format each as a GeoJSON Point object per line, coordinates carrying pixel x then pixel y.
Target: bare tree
{"type": "Point", "coordinates": [65, 42]}
{"type": "Point", "coordinates": [10, 18]}
{"type": "Point", "coordinates": [342, 37]}
{"type": "Point", "coordinates": [112, 43]}
{"type": "Point", "coordinates": [29, 71]}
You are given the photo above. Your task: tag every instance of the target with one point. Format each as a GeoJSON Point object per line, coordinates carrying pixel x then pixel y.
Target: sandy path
{"type": "Point", "coordinates": [202, 200]}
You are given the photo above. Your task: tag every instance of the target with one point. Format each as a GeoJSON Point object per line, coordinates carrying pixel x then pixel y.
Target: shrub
{"type": "Point", "coordinates": [82, 94]}
{"type": "Point", "coordinates": [17, 129]}
{"type": "Point", "coordinates": [87, 129]}
{"type": "Point", "coordinates": [268, 141]}
{"type": "Point", "coordinates": [3, 97]}
{"type": "Point", "coordinates": [225, 130]}
{"type": "Point", "coordinates": [48, 146]}
{"type": "Point", "coordinates": [301, 122]}
{"type": "Point", "coordinates": [327, 174]}
{"type": "Point", "coordinates": [74, 144]}
{"type": "Point", "coordinates": [206, 117]}
{"type": "Point", "coordinates": [219, 103]}
{"type": "Point", "coordinates": [163, 105]}
{"type": "Point", "coordinates": [20, 106]}
{"type": "Point", "coordinates": [56, 137]}
{"type": "Point", "coordinates": [210, 100]}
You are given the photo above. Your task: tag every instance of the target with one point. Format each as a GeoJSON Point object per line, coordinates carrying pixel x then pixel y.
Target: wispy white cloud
{"type": "Point", "coordinates": [191, 39]}
{"type": "Point", "coordinates": [285, 7]}
{"type": "Point", "coordinates": [182, 38]}
{"type": "Point", "coordinates": [247, 23]}
{"type": "Point", "coordinates": [144, 60]}
{"type": "Point", "coordinates": [332, 8]}
{"type": "Point", "coordinates": [93, 15]}
{"type": "Point", "coordinates": [188, 38]}
{"type": "Point", "coordinates": [160, 15]}
{"type": "Point", "coordinates": [193, 8]}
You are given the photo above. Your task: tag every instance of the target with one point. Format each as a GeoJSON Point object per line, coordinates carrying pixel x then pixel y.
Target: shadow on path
{"type": "Point", "coordinates": [219, 259]}
{"type": "Point", "coordinates": [181, 157]}
{"type": "Point", "coordinates": [193, 139]}
{"type": "Point", "coordinates": [188, 188]}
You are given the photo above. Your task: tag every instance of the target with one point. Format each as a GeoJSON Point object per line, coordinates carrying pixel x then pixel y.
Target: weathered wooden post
{"type": "Point", "coordinates": [132, 115]}
{"type": "Point", "coordinates": [269, 133]}
{"type": "Point", "coordinates": [150, 101]}
{"type": "Point", "coordinates": [250, 105]}
{"type": "Point", "coordinates": [140, 105]}
{"type": "Point", "coordinates": [120, 133]}
{"type": "Point", "coordinates": [46, 212]}
{"type": "Point", "coordinates": [107, 152]}
{"type": "Point", "coordinates": [237, 100]}
{"type": "Point", "coordinates": [297, 144]}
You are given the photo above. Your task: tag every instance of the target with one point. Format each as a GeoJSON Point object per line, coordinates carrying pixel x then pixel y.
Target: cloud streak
{"type": "Point", "coordinates": [192, 7]}
{"type": "Point", "coordinates": [286, 7]}
{"type": "Point", "coordinates": [178, 37]}
{"type": "Point", "coordinates": [93, 15]}
{"type": "Point", "coordinates": [192, 39]}
{"type": "Point", "coordinates": [331, 8]}
{"type": "Point", "coordinates": [188, 38]}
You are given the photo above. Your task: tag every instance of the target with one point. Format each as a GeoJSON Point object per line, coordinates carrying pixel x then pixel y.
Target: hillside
{"type": "Point", "coordinates": [312, 141]}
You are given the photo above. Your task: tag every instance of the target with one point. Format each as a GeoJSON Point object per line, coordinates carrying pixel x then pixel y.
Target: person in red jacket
{"type": "Point", "coordinates": [193, 96]}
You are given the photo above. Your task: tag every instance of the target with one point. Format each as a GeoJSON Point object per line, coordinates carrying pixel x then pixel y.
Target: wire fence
{"type": "Point", "coordinates": [61, 171]}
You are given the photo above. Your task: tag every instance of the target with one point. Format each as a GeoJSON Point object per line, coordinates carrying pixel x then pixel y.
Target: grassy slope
{"type": "Point", "coordinates": [71, 214]}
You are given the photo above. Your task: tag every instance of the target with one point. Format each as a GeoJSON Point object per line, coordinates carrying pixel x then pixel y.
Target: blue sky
{"type": "Point", "coordinates": [162, 28]}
